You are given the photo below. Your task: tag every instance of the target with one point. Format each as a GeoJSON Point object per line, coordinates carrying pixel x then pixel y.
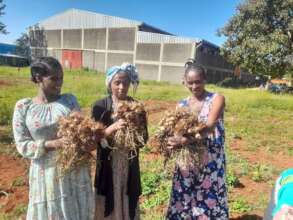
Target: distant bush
{"type": "Point", "coordinates": [232, 82]}
{"type": "Point", "coordinates": [86, 69]}
{"type": "Point", "coordinates": [246, 81]}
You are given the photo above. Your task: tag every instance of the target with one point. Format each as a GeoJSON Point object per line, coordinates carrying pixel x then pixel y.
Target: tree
{"type": "Point", "coordinates": [23, 45]}
{"type": "Point", "coordinates": [38, 42]}
{"type": "Point", "coordinates": [37, 37]}
{"type": "Point", "coordinates": [260, 37]}
{"type": "Point", "coordinates": [2, 26]}
{"type": "Point", "coordinates": [32, 44]}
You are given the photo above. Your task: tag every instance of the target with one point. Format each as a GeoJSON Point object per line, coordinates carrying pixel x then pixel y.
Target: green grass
{"type": "Point", "coordinates": [19, 181]}
{"type": "Point", "coordinates": [261, 120]}
{"type": "Point", "coordinates": [262, 172]}
{"type": "Point", "coordinates": [237, 166]}
{"type": "Point", "coordinates": [156, 186]}
{"type": "Point", "coordinates": [17, 212]}
{"type": "Point", "coordinates": [239, 205]}
{"type": "Point", "coordinates": [150, 182]}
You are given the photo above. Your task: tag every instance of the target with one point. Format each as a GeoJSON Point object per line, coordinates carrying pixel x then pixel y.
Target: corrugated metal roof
{"type": "Point", "coordinates": [11, 55]}
{"type": "Point", "coordinates": [75, 18]}
{"type": "Point", "coordinates": [7, 48]}
{"type": "Point", "coordinates": [147, 37]}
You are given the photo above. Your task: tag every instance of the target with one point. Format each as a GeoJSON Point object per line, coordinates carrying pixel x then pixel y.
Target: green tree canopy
{"type": "Point", "coordinates": [260, 36]}
{"type": "Point", "coordinates": [23, 45]}
{"type": "Point", "coordinates": [32, 44]}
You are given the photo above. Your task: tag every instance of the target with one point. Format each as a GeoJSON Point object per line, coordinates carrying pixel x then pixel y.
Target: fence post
{"type": "Point", "coordinates": [106, 49]}
{"type": "Point", "coordinates": [160, 62]}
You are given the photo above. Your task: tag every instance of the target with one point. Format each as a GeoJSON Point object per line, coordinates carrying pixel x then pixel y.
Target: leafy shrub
{"type": "Point", "coordinates": [161, 196]}
{"type": "Point", "coordinates": [150, 181]}
{"type": "Point", "coordinates": [240, 206]}
{"type": "Point", "coordinates": [261, 172]}
{"type": "Point", "coordinates": [86, 69]}
{"type": "Point", "coordinates": [232, 180]}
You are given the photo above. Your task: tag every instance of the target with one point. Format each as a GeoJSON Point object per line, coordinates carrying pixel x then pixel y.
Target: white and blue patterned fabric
{"type": "Point", "coordinates": [50, 196]}
{"type": "Point", "coordinates": [125, 67]}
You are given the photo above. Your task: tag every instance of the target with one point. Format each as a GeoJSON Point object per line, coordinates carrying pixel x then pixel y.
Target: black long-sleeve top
{"type": "Point", "coordinates": [102, 111]}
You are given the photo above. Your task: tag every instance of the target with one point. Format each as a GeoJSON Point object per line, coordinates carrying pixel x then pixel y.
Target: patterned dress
{"type": "Point", "coordinates": [121, 202]}
{"type": "Point", "coordinates": [202, 194]}
{"type": "Point", "coordinates": [50, 196]}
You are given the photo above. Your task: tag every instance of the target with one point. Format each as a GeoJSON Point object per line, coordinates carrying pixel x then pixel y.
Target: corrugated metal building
{"type": "Point", "coordinates": [7, 48]}
{"type": "Point", "coordinates": [80, 38]}
{"type": "Point", "coordinates": [9, 57]}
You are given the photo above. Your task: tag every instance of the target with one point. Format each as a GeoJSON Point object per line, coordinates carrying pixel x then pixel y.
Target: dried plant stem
{"type": "Point", "coordinates": [79, 133]}
{"type": "Point", "coordinates": [130, 138]}
{"type": "Point", "coordinates": [181, 122]}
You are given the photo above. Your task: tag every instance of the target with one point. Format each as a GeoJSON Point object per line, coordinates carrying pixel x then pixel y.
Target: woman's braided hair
{"type": "Point", "coordinates": [44, 66]}
{"type": "Point", "coordinates": [191, 65]}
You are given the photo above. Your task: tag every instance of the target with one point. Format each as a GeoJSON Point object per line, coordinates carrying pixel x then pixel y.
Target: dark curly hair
{"type": "Point", "coordinates": [44, 66]}
{"type": "Point", "coordinates": [191, 65]}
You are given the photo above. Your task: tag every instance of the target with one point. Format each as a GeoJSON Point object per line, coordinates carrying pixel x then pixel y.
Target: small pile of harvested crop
{"type": "Point", "coordinates": [78, 132]}
{"type": "Point", "coordinates": [128, 139]}
{"type": "Point", "coordinates": [181, 122]}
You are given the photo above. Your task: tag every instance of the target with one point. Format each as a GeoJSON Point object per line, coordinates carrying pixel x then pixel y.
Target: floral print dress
{"type": "Point", "coordinates": [202, 194]}
{"type": "Point", "coordinates": [51, 197]}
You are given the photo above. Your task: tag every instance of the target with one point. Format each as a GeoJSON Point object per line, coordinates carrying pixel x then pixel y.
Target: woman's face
{"type": "Point", "coordinates": [119, 85]}
{"type": "Point", "coordinates": [52, 83]}
{"type": "Point", "coordinates": [195, 83]}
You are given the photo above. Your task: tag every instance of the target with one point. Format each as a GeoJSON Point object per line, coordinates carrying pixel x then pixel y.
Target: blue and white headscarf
{"type": "Point", "coordinates": [125, 67]}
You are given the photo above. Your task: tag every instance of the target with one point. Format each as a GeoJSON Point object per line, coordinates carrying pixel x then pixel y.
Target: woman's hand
{"type": "Point", "coordinates": [176, 141]}
{"type": "Point", "coordinates": [114, 127]}
{"type": "Point", "coordinates": [90, 148]}
{"type": "Point", "coordinates": [54, 144]}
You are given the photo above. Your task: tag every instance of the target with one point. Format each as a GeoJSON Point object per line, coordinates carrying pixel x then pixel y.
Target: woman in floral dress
{"type": "Point", "coordinates": [201, 194]}
{"type": "Point", "coordinates": [51, 197]}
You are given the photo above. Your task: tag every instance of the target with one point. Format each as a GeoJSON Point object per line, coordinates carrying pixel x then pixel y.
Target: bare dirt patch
{"type": "Point", "coordinates": [10, 82]}
{"type": "Point", "coordinates": [156, 109]}
{"type": "Point", "coordinates": [5, 83]}
{"type": "Point", "coordinates": [13, 184]}
{"type": "Point", "coordinates": [280, 159]}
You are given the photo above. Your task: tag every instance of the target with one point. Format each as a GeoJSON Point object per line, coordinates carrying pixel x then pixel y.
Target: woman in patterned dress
{"type": "Point", "coordinates": [201, 194]}
{"type": "Point", "coordinates": [117, 179]}
{"type": "Point", "coordinates": [51, 197]}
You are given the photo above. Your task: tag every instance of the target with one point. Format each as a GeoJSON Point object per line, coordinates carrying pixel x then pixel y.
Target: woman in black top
{"type": "Point", "coordinates": [117, 179]}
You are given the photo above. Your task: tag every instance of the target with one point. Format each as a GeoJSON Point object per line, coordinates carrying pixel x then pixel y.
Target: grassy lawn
{"type": "Point", "coordinates": [258, 127]}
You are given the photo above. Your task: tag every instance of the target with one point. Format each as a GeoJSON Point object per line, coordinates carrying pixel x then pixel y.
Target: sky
{"type": "Point", "coordinates": [187, 18]}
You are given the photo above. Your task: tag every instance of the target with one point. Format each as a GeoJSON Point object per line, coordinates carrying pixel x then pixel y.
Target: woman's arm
{"type": "Point", "coordinates": [215, 114]}
{"type": "Point", "coordinates": [25, 144]}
